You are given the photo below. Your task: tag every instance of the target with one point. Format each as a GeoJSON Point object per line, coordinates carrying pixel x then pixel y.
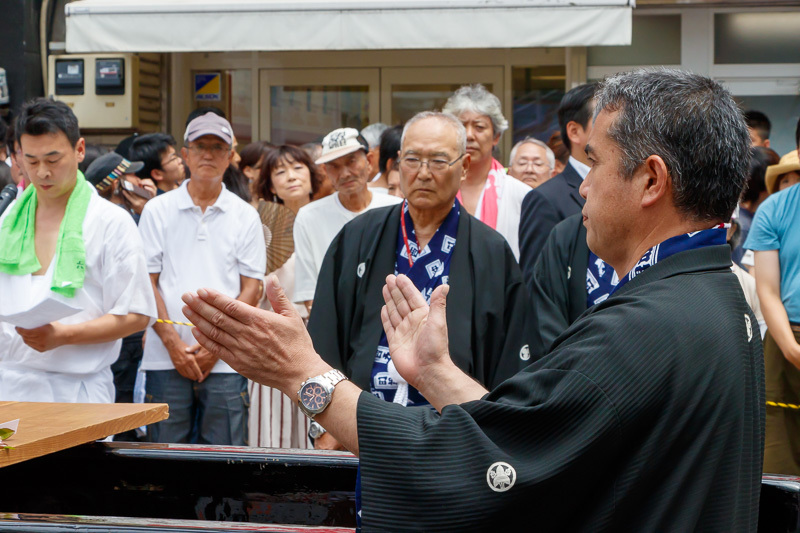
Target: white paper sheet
{"type": "Point", "coordinates": [46, 311]}
{"type": "Point", "coordinates": [13, 425]}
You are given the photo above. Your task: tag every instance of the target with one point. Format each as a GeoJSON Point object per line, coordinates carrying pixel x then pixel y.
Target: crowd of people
{"type": "Point", "coordinates": [121, 235]}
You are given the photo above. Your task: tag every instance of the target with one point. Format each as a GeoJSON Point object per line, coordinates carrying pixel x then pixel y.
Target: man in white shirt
{"type": "Point", "coordinates": [64, 244]}
{"type": "Point", "coordinates": [344, 154]}
{"type": "Point", "coordinates": [199, 235]}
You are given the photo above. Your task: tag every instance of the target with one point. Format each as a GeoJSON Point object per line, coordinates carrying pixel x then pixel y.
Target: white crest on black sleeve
{"type": "Point", "coordinates": [501, 476]}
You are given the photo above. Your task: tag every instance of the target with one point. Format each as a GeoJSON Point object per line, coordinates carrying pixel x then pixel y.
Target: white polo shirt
{"type": "Point", "coordinates": [116, 283]}
{"type": "Point", "coordinates": [314, 229]}
{"type": "Point", "coordinates": [190, 250]}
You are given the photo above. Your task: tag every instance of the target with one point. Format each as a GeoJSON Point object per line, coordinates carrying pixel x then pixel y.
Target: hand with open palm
{"type": "Point", "coordinates": [417, 333]}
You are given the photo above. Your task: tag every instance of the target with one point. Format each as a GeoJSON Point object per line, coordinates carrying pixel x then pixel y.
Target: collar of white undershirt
{"type": "Point", "coordinates": [579, 167]}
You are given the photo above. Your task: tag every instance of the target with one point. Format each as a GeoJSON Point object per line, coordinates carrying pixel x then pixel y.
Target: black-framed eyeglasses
{"type": "Point", "coordinates": [414, 164]}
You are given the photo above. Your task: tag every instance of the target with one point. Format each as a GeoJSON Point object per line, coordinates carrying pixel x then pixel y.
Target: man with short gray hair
{"type": "Point", "coordinates": [532, 162]}
{"type": "Point", "coordinates": [434, 240]}
{"type": "Point", "coordinates": [372, 134]}
{"type": "Point", "coordinates": [648, 413]}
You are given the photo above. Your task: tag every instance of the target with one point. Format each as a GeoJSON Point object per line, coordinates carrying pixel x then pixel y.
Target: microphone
{"type": "Point", "coordinates": [7, 195]}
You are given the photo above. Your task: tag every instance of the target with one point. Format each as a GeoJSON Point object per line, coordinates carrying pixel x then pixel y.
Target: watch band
{"type": "Point", "coordinates": [315, 430]}
{"type": "Point", "coordinates": [334, 377]}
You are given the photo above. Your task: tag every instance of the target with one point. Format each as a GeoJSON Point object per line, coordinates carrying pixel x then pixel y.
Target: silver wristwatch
{"type": "Point", "coordinates": [315, 393]}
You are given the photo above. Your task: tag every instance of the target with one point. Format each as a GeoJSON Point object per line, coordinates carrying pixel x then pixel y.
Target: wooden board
{"type": "Point", "coordinates": [50, 427]}
{"type": "Point", "coordinates": [44, 522]}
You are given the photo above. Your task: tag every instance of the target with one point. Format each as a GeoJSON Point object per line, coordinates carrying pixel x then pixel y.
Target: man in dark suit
{"type": "Point", "coordinates": [558, 198]}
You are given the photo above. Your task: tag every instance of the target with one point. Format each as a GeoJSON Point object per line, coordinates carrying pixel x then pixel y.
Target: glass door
{"type": "Point", "coordinates": [302, 105]}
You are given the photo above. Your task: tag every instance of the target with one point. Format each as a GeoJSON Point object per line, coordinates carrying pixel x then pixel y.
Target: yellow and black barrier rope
{"type": "Point", "coordinates": [163, 321]}
{"type": "Point", "coordinates": [783, 405]}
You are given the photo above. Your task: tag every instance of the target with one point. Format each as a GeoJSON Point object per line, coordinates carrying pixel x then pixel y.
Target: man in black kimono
{"type": "Point", "coordinates": [647, 414]}
{"type": "Point", "coordinates": [489, 315]}
{"type": "Point", "coordinates": [559, 284]}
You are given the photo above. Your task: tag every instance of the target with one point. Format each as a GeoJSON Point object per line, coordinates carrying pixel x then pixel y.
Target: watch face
{"type": "Point", "coordinates": [314, 397]}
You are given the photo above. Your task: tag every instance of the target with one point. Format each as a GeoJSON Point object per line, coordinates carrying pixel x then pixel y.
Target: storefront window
{"type": "Point", "coordinates": [742, 38]}
{"type": "Point", "coordinates": [302, 114]}
{"type": "Point", "coordinates": [655, 40]}
{"type": "Point", "coordinates": [537, 92]}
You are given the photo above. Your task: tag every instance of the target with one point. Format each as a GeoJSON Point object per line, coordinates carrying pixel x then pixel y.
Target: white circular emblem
{"type": "Point", "coordinates": [361, 268]}
{"type": "Point", "coordinates": [501, 476]}
{"type": "Point", "coordinates": [525, 353]}
{"type": "Point", "coordinates": [749, 326]}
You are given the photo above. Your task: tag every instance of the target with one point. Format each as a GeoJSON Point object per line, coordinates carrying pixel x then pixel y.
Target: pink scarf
{"type": "Point", "coordinates": [488, 214]}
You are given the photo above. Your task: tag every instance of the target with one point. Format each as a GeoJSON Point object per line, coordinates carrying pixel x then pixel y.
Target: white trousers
{"type": "Point", "coordinates": [22, 384]}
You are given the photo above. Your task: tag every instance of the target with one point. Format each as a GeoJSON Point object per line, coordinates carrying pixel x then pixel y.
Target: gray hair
{"type": "Point", "coordinates": [461, 132]}
{"type": "Point", "coordinates": [693, 124]}
{"type": "Point", "coordinates": [477, 99]}
{"type": "Point", "coordinates": [548, 152]}
{"type": "Point", "coordinates": [372, 134]}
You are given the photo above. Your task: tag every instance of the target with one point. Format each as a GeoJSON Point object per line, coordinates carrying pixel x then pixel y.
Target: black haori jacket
{"type": "Point", "coordinates": [647, 416]}
{"type": "Point", "coordinates": [558, 286]}
{"type": "Point", "coordinates": [489, 318]}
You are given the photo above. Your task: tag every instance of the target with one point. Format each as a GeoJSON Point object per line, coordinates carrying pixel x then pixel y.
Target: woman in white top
{"type": "Point", "coordinates": [288, 176]}
{"type": "Point", "coordinates": [487, 193]}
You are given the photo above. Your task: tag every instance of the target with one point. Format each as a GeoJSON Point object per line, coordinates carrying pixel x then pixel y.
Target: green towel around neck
{"type": "Point", "coordinates": [18, 246]}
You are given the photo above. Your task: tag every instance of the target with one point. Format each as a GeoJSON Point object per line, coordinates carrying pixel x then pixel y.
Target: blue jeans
{"type": "Point", "coordinates": [215, 411]}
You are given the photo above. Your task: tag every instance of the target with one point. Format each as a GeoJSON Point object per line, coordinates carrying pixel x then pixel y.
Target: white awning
{"type": "Point", "coordinates": [273, 25]}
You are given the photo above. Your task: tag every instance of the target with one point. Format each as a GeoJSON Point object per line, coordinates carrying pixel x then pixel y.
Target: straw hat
{"type": "Point", "coordinates": [788, 163]}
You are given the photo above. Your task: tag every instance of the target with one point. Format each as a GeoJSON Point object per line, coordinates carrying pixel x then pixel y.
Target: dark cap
{"type": "Point", "coordinates": [106, 168]}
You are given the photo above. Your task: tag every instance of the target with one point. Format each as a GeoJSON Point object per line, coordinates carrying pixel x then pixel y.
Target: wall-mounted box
{"type": "Point", "coordinates": [69, 76]}
{"type": "Point", "coordinates": [109, 76]}
{"type": "Point", "coordinates": [108, 97]}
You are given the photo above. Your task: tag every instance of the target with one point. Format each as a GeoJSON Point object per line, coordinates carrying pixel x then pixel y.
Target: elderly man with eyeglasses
{"type": "Point", "coordinates": [432, 239]}
{"type": "Point", "coordinates": [199, 233]}
{"type": "Point", "coordinates": [532, 162]}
